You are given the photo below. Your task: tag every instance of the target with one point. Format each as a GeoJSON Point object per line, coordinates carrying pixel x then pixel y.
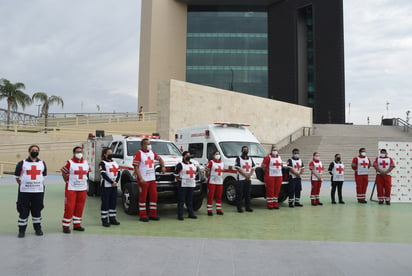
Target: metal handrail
{"type": "Point", "coordinates": [289, 139]}
{"type": "Point", "coordinates": [402, 123]}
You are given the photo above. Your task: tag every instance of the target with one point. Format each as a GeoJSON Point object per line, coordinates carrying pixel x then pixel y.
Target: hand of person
{"type": "Point", "coordinates": [142, 182]}
{"type": "Point", "coordinates": [163, 169]}
{"type": "Point", "coordinates": [114, 184]}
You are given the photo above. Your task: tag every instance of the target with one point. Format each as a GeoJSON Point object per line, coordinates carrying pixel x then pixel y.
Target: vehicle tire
{"type": "Point", "coordinates": [284, 193]}
{"type": "Point", "coordinates": [197, 202]}
{"type": "Point", "coordinates": [91, 188]}
{"type": "Point", "coordinates": [229, 191]}
{"type": "Point", "coordinates": [130, 198]}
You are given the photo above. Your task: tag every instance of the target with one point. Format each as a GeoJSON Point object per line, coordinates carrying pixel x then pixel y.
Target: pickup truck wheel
{"type": "Point", "coordinates": [130, 198]}
{"type": "Point", "coordinates": [229, 191]}
{"type": "Point", "coordinates": [91, 188]}
{"type": "Point", "coordinates": [284, 193]}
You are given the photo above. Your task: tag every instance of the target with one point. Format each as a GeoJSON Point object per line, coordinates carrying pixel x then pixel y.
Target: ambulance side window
{"type": "Point", "coordinates": [113, 146]}
{"type": "Point", "coordinates": [196, 150]}
{"type": "Point", "coordinates": [211, 149]}
{"type": "Point", "coordinates": [119, 149]}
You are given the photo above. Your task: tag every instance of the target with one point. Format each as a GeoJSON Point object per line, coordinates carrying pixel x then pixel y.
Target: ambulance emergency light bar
{"type": "Point", "coordinates": [153, 136]}
{"type": "Point", "coordinates": [225, 124]}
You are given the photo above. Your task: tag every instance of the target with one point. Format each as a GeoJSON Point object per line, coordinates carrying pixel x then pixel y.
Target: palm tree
{"type": "Point", "coordinates": [46, 102]}
{"type": "Point", "coordinates": [14, 95]}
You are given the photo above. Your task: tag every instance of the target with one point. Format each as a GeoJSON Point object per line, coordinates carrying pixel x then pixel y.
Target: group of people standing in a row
{"type": "Point", "coordinates": [272, 165]}
{"type": "Point", "coordinates": [31, 173]}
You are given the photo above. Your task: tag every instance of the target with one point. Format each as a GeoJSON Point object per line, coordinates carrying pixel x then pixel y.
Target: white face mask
{"type": "Point", "coordinates": [274, 152]}
{"type": "Point", "coordinates": [316, 158]}
{"type": "Point", "coordinates": [149, 147]}
{"type": "Point", "coordinates": [78, 155]}
{"type": "Point", "coordinates": [383, 155]}
{"type": "Point", "coordinates": [217, 156]}
{"type": "Point", "coordinates": [363, 153]}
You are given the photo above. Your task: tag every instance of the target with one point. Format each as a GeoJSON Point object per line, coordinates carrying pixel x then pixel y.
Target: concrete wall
{"type": "Point", "coordinates": [183, 104]}
{"type": "Point", "coordinates": [162, 47]}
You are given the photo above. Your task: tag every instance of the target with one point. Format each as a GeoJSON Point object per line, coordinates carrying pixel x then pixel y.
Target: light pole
{"type": "Point", "coordinates": [387, 109]}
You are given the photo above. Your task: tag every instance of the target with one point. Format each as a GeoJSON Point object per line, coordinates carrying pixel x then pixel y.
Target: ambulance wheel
{"type": "Point", "coordinates": [129, 198]}
{"type": "Point", "coordinates": [91, 188]}
{"type": "Point", "coordinates": [197, 202]}
{"type": "Point", "coordinates": [229, 191]}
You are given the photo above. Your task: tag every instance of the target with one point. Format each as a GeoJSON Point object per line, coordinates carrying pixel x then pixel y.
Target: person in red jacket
{"type": "Point", "coordinates": [74, 173]}
{"type": "Point", "coordinates": [384, 166]}
{"type": "Point", "coordinates": [214, 171]}
{"type": "Point", "coordinates": [272, 166]}
{"type": "Point", "coordinates": [316, 169]}
{"type": "Point", "coordinates": [361, 165]}
{"type": "Point", "coordinates": [143, 163]}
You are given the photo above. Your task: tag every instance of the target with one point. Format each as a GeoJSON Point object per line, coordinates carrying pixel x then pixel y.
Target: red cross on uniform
{"type": "Point", "coordinates": [80, 172]}
{"type": "Point", "coordinates": [191, 172]}
{"type": "Point", "coordinates": [246, 166]}
{"type": "Point", "coordinates": [219, 170]}
{"type": "Point", "coordinates": [277, 164]}
{"type": "Point", "coordinates": [364, 164]}
{"type": "Point", "coordinates": [339, 169]}
{"type": "Point", "coordinates": [319, 169]}
{"type": "Point", "coordinates": [297, 166]}
{"type": "Point", "coordinates": [33, 172]}
{"type": "Point", "coordinates": [114, 170]}
{"type": "Point", "coordinates": [149, 162]}
{"type": "Point", "coordinates": [383, 164]}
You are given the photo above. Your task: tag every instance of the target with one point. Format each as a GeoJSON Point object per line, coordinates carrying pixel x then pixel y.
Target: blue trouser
{"type": "Point", "coordinates": [243, 189]}
{"type": "Point", "coordinates": [295, 186]}
{"type": "Point", "coordinates": [29, 203]}
{"type": "Point", "coordinates": [109, 201]}
{"type": "Point", "coordinates": [185, 196]}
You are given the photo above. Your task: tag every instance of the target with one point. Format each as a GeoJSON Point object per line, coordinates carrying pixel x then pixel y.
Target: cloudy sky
{"type": "Point", "coordinates": [86, 51]}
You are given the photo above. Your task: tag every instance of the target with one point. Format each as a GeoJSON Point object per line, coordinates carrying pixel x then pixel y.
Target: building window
{"type": "Point", "coordinates": [228, 50]}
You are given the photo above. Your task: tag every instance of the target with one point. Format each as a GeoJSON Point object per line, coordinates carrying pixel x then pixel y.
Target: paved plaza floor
{"type": "Point", "coordinates": [350, 239]}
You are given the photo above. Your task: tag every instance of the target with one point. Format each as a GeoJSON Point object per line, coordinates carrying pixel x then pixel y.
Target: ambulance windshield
{"type": "Point", "coordinates": [160, 147]}
{"type": "Point", "coordinates": [232, 149]}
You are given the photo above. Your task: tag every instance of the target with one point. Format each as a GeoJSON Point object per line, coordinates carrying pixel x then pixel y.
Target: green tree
{"type": "Point", "coordinates": [14, 95]}
{"type": "Point", "coordinates": [46, 102]}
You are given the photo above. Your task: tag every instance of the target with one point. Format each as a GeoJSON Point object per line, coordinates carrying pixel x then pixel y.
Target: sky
{"type": "Point", "coordinates": [87, 52]}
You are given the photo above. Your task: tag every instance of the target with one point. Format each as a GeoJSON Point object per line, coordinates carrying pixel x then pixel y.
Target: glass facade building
{"type": "Point", "coordinates": [228, 50]}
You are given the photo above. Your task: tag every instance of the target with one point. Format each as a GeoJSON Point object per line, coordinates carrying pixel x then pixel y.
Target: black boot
{"type": "Point", "coordinates": [22, 231]}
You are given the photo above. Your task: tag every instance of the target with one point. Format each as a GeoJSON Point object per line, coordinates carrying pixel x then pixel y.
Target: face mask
{"type": "Point", "coordinates": [274, 152]}
{"type": "Point", "coordinates": [244, 153]}
{"type": "Point", "coordinates": [316, 158]}
{"type": "Point", "coordinates": [296, 155]}
{"type": "Point", "coordinates": [383, 155]}
{"type": "Point", "coordinates": [338, 159]}
{"type": "Point", "coordinates": [34, 154]}
{"type": "Point", "coordinates": [78, 155]}
{"type": "Point", "coordinates": [363, 153]}
{"type": "Point", "coordinates": [110, 156]}
{"type": "Point", "coordinates": [187, 158]}
{"type": "Point", "coordinates": [149, 147]}
{"type": "Point", "coordinates": [217, 156]}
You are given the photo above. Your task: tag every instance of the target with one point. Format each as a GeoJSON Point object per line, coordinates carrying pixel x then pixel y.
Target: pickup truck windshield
{"type": "Point", "coordinates": [160, 147]}
{"type": "Point", "coordinates": [233, 149]}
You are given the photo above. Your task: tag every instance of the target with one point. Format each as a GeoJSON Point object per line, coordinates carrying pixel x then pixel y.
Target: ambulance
{"type": "Point", "coordinates": [124, 147]}
{"type": "Point", "coordinates": [227, 138]}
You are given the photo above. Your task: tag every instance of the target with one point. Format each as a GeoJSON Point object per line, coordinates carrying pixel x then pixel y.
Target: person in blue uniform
{"type": "Point", "coordinates": [109, 171]}
{"type": "Point", "coordinates": [245, 169]}
{"type": "Point", "coordinates": [30, 175]}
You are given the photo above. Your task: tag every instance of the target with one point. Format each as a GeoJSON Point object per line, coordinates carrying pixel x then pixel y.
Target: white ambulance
{"type": "Point", "coordinates": [228, 138]}
{"type": "Point", "coordinates": [124, 147]}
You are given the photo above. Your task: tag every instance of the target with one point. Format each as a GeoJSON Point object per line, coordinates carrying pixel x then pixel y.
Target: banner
{"type": "Point", "coordinates": [401, 153]}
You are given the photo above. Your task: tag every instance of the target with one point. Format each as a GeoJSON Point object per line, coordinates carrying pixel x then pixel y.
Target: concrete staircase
{"type": "Point", "coordinates": [330, 139]}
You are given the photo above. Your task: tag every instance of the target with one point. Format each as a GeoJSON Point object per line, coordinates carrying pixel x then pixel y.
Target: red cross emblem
{"type": "Point", "coordinates": [297, 166]}
{"type": "Point", "coordinates": [319, 169]}
{"type": "Point", "coordinates": [277, 164]}
{"type": "Point", "coordinates": [191, 172]}
{"type": "Point", "coordinates": [383, 164]}
{"type": "Point", "coordinates": [339, 169]}
{"type": "Point", "coordinates": [80, 172]}
{"type": "Point", "coordinates": [114, 170]}
{"type": "Point", "coordinates": [33, 172]}
{"type": "Point", "coordinates": [219, 170]}
{"type": "Point", "coordinates": [246, 166]}
{"type": "Point", "coordinates": [149, 162]}
{"type": "Point", "coordinates": [364, 164]}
